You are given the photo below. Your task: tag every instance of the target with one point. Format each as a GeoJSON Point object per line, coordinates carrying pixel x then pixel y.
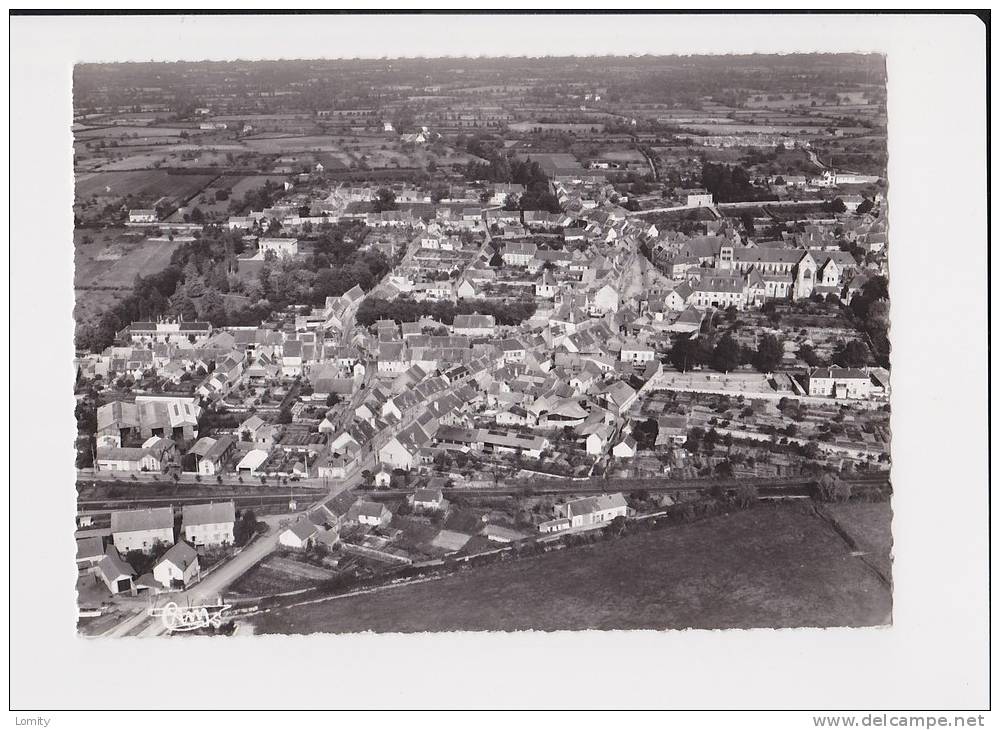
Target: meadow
{"type": "Point", "coordinates": [776, 565]}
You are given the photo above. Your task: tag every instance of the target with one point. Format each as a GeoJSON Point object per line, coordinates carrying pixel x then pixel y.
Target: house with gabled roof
{"type": "Point", "coordinates": [178, 568]}
{"type": "Point", "coordinates": [593, 510]}
{"type": "Point", "coordinates": [400, 452]}
{"type": "Point", "coordinates": [626, 448]}
{"type": "Point", "coordinates": [619, 396]}
{"type": "Point", "coordinates": [519, 253]}
{"type": "Point", "coordinates": [689, 321]}
{"type": "Point", "coordinates": [374, 514]}
{"type": "Point", "coordinates": [677, 299]}
{"type": "Point", "coordinates": [300, 535]}
{"type": "Point", "coordinates": [597, 439]}
{"type": "Point", "coordinates": [474, 325]}
{"type": "Point", "coordinates": [393, 358]}
{"type": "Point", "coordinates": [353, 295]}
{"type": "Point", "coordinates": [142, 529]}
{"type": "Point", "coordinates": [115, 458]}
{"type": "Point", "coordinates": [116, 574]}
{"type": "Point", "coordinates": [209, 524]}
{"type": "Point", "coordinates": [427, 498]}
{"type": "Point", "coordinates": [606, 299]}
{"type": "Point", "coordinates": [837, 382]}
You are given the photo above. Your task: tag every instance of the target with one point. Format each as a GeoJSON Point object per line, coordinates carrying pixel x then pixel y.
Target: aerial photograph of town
{"type": "Point", "coordinates": [481, 344]}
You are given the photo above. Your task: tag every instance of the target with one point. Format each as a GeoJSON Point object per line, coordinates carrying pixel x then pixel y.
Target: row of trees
{"type": "Point", "coordinates": [258, 198]}
{"type": "Point", "coordinates": [726, 354]}
{"type": "Point", "coordinates": [405, 309]}
{"type": "Point", "coordinates": [731, 184]}
{"type": "Point", "coordinates": [499, 167]}
{"type": "Point", "coordinates": [870, 310]}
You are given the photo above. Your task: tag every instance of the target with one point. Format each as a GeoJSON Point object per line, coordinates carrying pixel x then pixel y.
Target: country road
{"type": "Point", "coordinates": [813, 158]}
{"type": "Point", "coordinates": [215, 584]}
{"type": "Point", "coordinates": [212, 587]}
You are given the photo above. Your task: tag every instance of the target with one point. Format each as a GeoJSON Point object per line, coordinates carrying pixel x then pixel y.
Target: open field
{"type": "Point", "coordinates": [299, 569]}
{"type": "Point", "coordinates": [773, 566]}
{"type": "Point", "coordinates": [622, 156]}
{"type": "Point", "coordinates": [106, 270]}
{"type": "Point", "coordinates": [251, 182]}
{"type": "Point", "coordinates": [271, 144]}
{"type": "Point", "coordinates": [121, 131]}
{"type": "Point", "coordinates": [714, 129]}
{"type": "Point", "coordinates": [237, 186]}
{"type": "Point", "coordinates": [116, 266]}
{"type": "Point", "coordinates": [146, 160]}
{"type": "Point", "coordinates": [276, 574]}
{"type": "Point", "coordinates": [151, 183]}
{"type": "Point", "coordinates": [92, 303]}
{"type": "Point", "coordinates": [870, 526]}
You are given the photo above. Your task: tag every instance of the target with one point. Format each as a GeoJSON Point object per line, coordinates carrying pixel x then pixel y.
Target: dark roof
{"type": "Point", "coordinates": [302, 528]}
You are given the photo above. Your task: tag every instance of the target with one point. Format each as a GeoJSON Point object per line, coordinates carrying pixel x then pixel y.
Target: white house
{"type": "Point", "coordinates": [593, 510]}
{"type": "Point", "coordinates": [676, 299]}
{"type": "Point", "coordinates": [620, 396]}
{"type": "Point", "coordinates": [210, 454]}
{"type": "Point", "coordinates": [519, 253]}
{"type": "Point", "coordinates": [178, 568]}
{"type": "Point", "coordinates": [300, 535]}
{"type": "Point", "coordinates": [142, 529]}
{"type": "Point", "coordinates": [371, 513]}
{"type": "Point", "coordinates": [839, 383]}
{"type": "Point", "coordinates": [474, 325]}
{"type": "Point", "coordinates": [636, 353]}
{"type": "Point", "coordinates": [598, 439]}
{"type": "Point", "coordinates": [626, 448]}
{"type": "Point", "coordinates": [281, 247]}
{"type": "Point", "coordinates": [116, 458]}
{"type": "Point", "coordinates": [699, 199]}
{"type": "Point", "coordinates": [546, 287]}
{"type": "Point", "coordinates": [501, 534]}
{"type": "Point", "coordinates": [467, 290]}
{"type": "Point", "coordinates": [605, 300]}
{"type": "Point", "coordinates": [209, 524]}
{"type": "Point", "coordinates": [383, 478]}
{"type": "Point", "coordinates": [428, 499]}
{"type": "Point", "coordinates": [142, 216]}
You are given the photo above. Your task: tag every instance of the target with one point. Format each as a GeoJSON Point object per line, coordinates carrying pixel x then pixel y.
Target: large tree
{"type": "Point", "coordinates": [726, 355]}
{"type": "Point", "coordinates": [853, 354]}
{"type": "Point", "coordinates": [686, 353]}
{"type": "Point", "coordinates": [769, 354]}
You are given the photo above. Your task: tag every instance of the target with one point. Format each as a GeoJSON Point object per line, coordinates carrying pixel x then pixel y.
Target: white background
{"type": "Point", "coordinates": [933, 657]}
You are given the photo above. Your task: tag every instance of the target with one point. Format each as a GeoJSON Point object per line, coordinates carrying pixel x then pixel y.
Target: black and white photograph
{"type": "Point", "coordinates": [444, 344]}
{"type": "Point", "coordinates": [494, 345]}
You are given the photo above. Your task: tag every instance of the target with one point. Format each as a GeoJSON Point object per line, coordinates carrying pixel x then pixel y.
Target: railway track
{"type": "Point", "coordinates": [104, 506]}
{"type": "Point", "coordinates": [787, 487]}
{"type": "Point", "coordinates": [767, 488]}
